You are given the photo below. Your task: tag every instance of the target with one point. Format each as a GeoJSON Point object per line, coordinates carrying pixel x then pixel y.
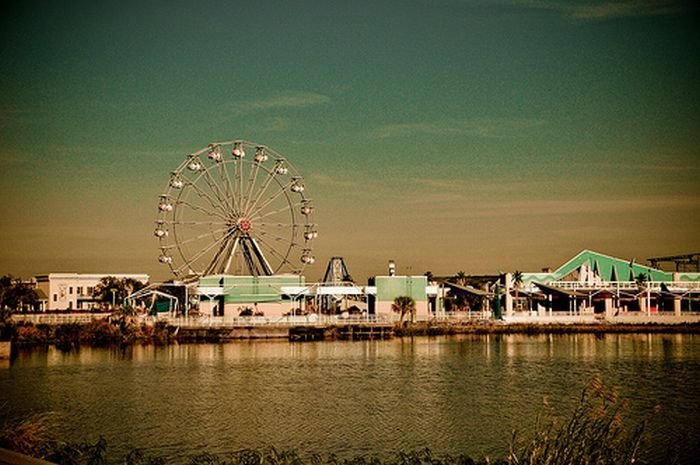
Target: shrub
{"type": "Point", "coordinates": [138, 457]}
{"type": "Point", "coordinates": [101, 333]}
{"type": "Point", "coordinates": [161, 333]}
{"type": "Point", "coordinates": [68, 334]}
{"type": "Point", "coordinates": [29, 334]}
{"type": "Point", "coordinates": [80, 454]}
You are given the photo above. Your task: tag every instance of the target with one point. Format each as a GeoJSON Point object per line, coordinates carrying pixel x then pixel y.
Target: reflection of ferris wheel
{"type": "Point", "coordinates": [235, 208]}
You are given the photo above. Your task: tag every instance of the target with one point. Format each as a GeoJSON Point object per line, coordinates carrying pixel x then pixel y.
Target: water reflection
{"type": "Point", "coordinates": [453, 394]}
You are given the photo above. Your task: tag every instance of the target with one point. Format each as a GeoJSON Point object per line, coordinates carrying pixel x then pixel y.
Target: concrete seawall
{"type": "Point", "coordinates": [214, 334]}
{"type": "Point", "coordinates": [292, 333]}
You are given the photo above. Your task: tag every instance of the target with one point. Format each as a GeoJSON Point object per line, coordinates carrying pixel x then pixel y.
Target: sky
{"type": "Point", "coordinates": [446, 135]}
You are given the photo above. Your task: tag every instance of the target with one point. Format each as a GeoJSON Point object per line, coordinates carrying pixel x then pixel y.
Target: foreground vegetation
{"type": "Point", "coordinates": [99, 332]}
{"type": "Point", "coordinates": [595, 433]}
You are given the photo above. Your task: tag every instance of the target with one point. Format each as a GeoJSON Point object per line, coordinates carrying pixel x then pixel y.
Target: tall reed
{"type": "Point", "coordinates": [594, 434]}
{"type": "Point", "coordinates": [33, 435]}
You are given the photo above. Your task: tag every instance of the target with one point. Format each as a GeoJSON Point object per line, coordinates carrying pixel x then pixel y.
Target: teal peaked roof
{"type": "Point", "coordinates": [607, 267]}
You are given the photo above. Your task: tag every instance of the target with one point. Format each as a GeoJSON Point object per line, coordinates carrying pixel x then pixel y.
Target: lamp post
{"type": "Point", "coordinates": [113, 291]}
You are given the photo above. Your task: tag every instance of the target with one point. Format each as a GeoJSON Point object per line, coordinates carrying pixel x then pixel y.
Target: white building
{"type": "Point", "coordinates": [73, 291]}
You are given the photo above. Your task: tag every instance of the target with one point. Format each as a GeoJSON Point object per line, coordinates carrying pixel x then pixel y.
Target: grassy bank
{"type": "Point", "coordinates": [127, 330]}
{"type": "Point", "coordinates": [436, 328]}
{"type": "Point", "coordinates": [99, 332]}
{"type": "Point", "coordinates": [594, 433]}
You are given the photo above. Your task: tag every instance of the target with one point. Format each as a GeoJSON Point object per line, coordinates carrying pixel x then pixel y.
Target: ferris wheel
{"type": "Point", "coordinates": [235, 208]}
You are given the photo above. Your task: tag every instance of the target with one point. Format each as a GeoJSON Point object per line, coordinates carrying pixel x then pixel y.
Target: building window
{"type": "Point", "coordinates": [79, 290]}
{"type": "Point", "coordinates": [55, 297]}
{"type": "Point", "coordinates": [90, 290]}
{"type": "Point", "coordinates": [70, 290]}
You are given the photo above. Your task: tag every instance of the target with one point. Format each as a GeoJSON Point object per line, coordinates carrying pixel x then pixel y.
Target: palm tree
{"type": "Point", "coordinates": [641, 280]}
{"type": "Point", "coordinates": [403, 305]}
{"type": "Point", "coordinates": [114, 290]}
{"type": "Point", "coordinates": [518, 284]}
{"type": "Point", "coordinates": [461, 278]}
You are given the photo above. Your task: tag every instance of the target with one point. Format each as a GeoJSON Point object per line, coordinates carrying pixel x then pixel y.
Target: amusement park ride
{"type": "Point", "coordinates": [235, 227]}
{"type": "Point", "coordinates": [236, 208]}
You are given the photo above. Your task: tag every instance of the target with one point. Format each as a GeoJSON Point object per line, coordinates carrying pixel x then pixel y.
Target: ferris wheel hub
{"type": "Point", "coordinates": [244, 224]}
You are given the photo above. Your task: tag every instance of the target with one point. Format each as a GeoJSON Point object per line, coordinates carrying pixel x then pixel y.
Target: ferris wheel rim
{"type": "Point", "coordinates": [203, 204]}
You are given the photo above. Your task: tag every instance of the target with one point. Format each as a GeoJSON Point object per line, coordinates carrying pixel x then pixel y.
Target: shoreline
{"type": "Point", "coordinates": [116, 333]}
{"type": "Point", "coordinates": [603, 327]}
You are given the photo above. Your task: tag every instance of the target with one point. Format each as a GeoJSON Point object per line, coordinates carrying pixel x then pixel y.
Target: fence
{"type": "Point", "coordinates": [310, 320]}
{"type": "Point", "coordinates": [58, 318]}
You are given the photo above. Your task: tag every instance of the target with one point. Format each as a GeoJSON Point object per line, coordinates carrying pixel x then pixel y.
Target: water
{"type": "Point", "coordinates": [457, 394]}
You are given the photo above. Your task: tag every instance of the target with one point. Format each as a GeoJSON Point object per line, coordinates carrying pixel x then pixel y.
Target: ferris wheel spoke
{"type": "Point", "coordinates": [231, 254]}
{"type": "Point", "coordinates": [203, 235]}
{"type": "Point", "coordinates": [216, 203]}
{"type": "Point", "coordinates": [222, 180]}
{"type": "Point", "coordinates": [224, 253]}
{"type": "Point", "coordinates": [284, 209]}
{"type": "Point", "coordinates": [271, 199]}
{"type": "Point", "coordinates": [261, 191]}
{"type": "Point", "coordinates": [215, 188]}
{"type": "Point", "coordinates": [276, 225]}
{"type": "Point", "coordinates": [268, 237]}
{"type": "Point", "coordinates": [278, 231]}
{"type": "Point", "coordinates": [195, 223]}
{"type": "Point", "coordinates": [202, 209]}
{"type": "Point", "coordinates": [240, 188]}
{"type": "Point", "coordinates": [188, 262]}
{"type": "Point", "coordinates": [276, 253]}
{"type": "Point", "coordinates": [252, 176]}
{"type": "Point", "coordinates": [229, 187]}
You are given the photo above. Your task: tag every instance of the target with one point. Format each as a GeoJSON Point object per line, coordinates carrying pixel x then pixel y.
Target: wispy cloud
{"type": "Point", "coordinates": [482, 128]}
{"type": "Point", "coordinates": [296, 99]}
{"type": "Point", "coordinates": [577, 207]}
{"type": "Point", "coordinates": [671, 166]}
{"type": "Point", "coordinates": [464, 189]}
{"type": "Point", "coordinates": [601, 11]}
{"type": "Point", "coordinates": [276, 124]}
{"type": "Point", "coordinates": [325, 180]}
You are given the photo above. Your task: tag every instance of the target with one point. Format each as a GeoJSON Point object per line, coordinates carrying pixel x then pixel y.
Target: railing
{"type": "Point", "coordinates": [58, 318]}
{"type": "Point", "coordinates": [311, 320]}
{"type": "Point", "coordinates": [625, 285]}
{"type": "Point", "coordinates": [460, 316]}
